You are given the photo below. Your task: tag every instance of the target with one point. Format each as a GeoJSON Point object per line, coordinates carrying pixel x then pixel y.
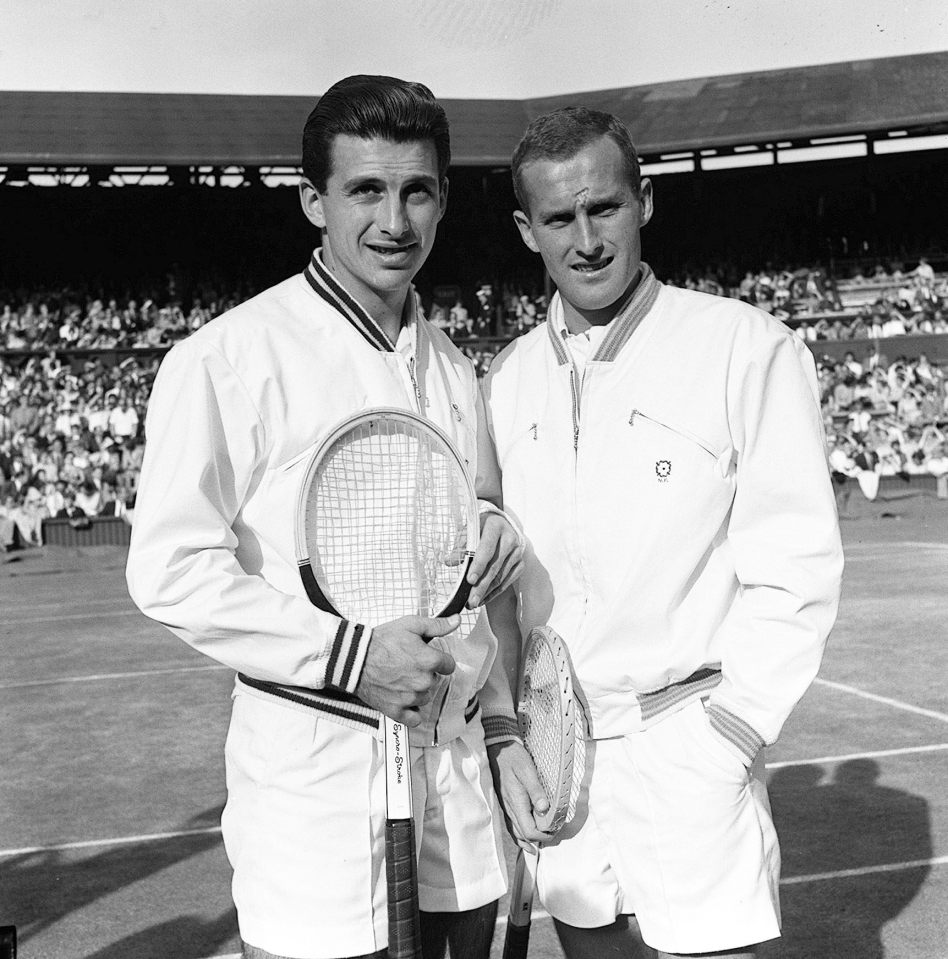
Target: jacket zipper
{"type": "Point", "coordinates": [574, 391]}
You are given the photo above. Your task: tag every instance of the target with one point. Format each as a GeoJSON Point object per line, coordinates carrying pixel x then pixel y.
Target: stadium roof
{"type": "Point", "coordinates": [114, 129]}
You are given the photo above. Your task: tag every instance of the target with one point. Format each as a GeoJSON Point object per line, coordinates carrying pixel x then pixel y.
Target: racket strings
{"type": "Point", "coordinates": [387, 522]}
{"type": "Point", "coordinates": [546, 730]}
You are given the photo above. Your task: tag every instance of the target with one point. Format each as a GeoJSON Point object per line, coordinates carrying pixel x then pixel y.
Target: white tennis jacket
{"type": "Point", "coordinates": [681, 525]}
{"type": "Point", "coordinates": [236, 412]}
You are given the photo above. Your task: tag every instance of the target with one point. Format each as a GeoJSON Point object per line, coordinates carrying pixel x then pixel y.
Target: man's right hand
{"type": "Point", "coordinates": [401, 671]}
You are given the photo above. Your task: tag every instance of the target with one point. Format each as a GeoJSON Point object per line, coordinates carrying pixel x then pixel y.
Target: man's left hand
{"type": "Point", "coordinates": [498, 560]}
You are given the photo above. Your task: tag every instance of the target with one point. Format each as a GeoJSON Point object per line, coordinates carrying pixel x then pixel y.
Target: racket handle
{"type": "Point", "coordinates": [401, 874]}
{"type": "Point", "coordinates": [516, 941]}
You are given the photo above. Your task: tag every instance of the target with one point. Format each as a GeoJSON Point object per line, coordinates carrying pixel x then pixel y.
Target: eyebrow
{"type": "Point", "coordinates": [593, 204]}
{"type": "Point", "coordinates": [371, 179]}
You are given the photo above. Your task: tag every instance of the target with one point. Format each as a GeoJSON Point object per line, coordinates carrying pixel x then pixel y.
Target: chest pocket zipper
{"type": "Point", "coordinates": [685, 434]}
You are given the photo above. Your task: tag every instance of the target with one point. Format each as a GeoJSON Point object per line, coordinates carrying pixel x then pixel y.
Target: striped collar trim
{"type": "Point", "coordinates": [621, 327]}
{"type": "Point", "coordinates": [336, 295]}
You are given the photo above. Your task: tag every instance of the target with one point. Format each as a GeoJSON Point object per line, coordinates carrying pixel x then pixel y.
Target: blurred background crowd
{"type": "Point", "coordinates": [76, 369]}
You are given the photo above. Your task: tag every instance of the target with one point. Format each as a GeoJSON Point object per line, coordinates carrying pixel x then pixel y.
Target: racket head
{"type": "Point", "coordinates": [552, 724]}
{"type": "Point", "coordinates": [387, 520]}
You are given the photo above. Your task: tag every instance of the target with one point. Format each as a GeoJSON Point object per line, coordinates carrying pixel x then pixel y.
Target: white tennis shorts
{"type": "Point", "coordinates": [304, 829]}
{"type": "Point", "coordinates": [673, 828]}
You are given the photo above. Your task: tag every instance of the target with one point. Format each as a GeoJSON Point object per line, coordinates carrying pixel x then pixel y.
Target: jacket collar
{"type": "Point", "coordinates": [621, 327]}
{"type": "Point", "coordinates": [337, 296]}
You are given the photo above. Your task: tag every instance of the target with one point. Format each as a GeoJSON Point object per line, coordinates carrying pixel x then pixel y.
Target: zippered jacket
{"type": "Point", "coordinates": [237, 410]}
{"type": "Point", "coordinates": [682, 535]}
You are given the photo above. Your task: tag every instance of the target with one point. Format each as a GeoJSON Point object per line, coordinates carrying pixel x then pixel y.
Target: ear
{"type": "Point", "coordinates": [443, 197]}
{"type": "Point", "coordinates": [312, 204]}
{"type": "Point", "coordinates": [646, 201]}
{"type": "Point", "coordinates": [526, 231]}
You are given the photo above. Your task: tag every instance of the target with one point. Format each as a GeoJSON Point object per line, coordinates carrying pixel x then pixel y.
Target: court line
{"type": "Point", "coordinates": [99, 676]}
{"type": "Point", "coordinates": [855, 547]}
{"type": "Point", "coordinates": [120, 841]}
{"type": "Point", "coordinates": [159, 837]}
{"type": "Point", "coordinates": [29, 621]}
{"type": "Point", "coordinates": [875, 754]}
{"type": "Point", "coordinates": [788, 881]}
{"type": "Point", "coordinates": [885, 700]}
{"type": "Point", "coordinates": [865, 871]}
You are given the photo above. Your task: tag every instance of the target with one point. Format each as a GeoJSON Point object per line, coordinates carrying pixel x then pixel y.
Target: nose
{"type": "Point", "coordinates": [588, 244]}
{"type": "Point", "coordinates": [393, 217]}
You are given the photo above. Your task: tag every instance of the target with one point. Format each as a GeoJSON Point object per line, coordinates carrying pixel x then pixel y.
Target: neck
{"type": "Point", "coordinates": [387, 307]}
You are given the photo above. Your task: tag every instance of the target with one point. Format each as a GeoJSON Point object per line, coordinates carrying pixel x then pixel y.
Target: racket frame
{"type": "Point", "coordinates": [401, 868]}
{"type": "Point", "coordinates": [573, 725]}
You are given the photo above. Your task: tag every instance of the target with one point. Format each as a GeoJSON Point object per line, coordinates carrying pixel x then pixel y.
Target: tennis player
{"type": "Point", "coordinates": [236, 412]}
{"type": "Point", "coordinates": [664, 452]}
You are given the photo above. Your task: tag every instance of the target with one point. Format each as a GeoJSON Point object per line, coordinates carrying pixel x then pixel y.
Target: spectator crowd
{"type": "Point", "coordinates": [72, 408]}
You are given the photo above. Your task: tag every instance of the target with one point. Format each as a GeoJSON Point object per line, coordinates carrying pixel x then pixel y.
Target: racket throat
{"type": "Point", "coordinates": [397, 769]}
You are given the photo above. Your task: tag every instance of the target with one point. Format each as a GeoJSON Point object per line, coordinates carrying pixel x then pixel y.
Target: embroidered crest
{"type": "Point", "coordinates": [663, 470]}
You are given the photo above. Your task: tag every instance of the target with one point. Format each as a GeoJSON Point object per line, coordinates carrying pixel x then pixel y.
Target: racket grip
{"type": "Point", "coordinates": [401, 874]}
{"type": "Point", "coordinates": [516, 941]}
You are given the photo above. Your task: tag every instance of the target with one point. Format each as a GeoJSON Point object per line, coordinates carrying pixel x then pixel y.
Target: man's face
{"type": "Point", "coordinates": [584, 220]}
{"type": "Point", "coordinates": [379, 214]}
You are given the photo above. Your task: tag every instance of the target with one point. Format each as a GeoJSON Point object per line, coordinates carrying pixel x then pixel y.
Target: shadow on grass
{"type": "Point", "coordinates": [40, 889]}
{"type": "Point", "coordinates": [846, 822]}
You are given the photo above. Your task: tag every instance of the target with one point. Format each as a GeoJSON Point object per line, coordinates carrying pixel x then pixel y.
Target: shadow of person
{"type": "Point", "coordinates": [41, 888]}
{"type": "Point", "coordinates": [848, 825]}
{"type": "Point", "coordinates": [187, 937]}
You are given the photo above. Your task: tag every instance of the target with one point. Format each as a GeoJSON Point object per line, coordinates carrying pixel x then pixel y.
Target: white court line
{"type": "Point", "coordinates": [121, 841]}
{"type": "Point", "coordinates": [888, 546]}
{"type": "Point", "coordinates": [29, 621]}
{"type": "Point", "coordinates": [865, 871]}
{"type": "Point", "coordinates": [158, 837]}
{"type": "Point", "coordinates": [898, 704]}
{"type": "Point", "coordinates": [789, 881]}
{"type": "Point", "coordinates": [875, 754]}
{"type": "Point", "coordinates": [99, 676]}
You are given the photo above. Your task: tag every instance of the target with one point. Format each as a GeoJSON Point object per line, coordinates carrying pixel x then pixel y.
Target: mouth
{"type": "Point", "coordinates": [392, 252]}
{"type": "Point", "coordinates": [588, 268]}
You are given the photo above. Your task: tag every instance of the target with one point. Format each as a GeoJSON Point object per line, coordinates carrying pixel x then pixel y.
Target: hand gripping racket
{"type": "Point", "coordinates": [387, 525]}
{"type": "Point", "coordinates": [553, 726]}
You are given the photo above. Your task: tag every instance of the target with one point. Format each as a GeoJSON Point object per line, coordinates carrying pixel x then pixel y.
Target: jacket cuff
{"type": "Point", "coordinates": [740, 737]}
{"type": "Point", "coordinates": [500, 728]}
{"type": "Point", "coordinates": [347, 656]}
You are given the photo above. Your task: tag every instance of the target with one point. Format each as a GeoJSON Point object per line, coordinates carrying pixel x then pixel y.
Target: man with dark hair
{"type": "Point", "coordinates": [236, 412]}
{"type": "Point", "coordinates": [663, 449]}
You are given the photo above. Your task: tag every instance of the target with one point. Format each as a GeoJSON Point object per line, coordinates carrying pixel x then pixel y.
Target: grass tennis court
{"type": "Point", "coordinates": [111, 764]}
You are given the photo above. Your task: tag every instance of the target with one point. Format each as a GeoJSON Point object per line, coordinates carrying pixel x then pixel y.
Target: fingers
{"type": "Point", "coordinates": [497, 562]}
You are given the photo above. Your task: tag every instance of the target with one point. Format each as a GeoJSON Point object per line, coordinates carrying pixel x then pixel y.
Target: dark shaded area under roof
{"type": "Point", "coordinates": [863, 96]}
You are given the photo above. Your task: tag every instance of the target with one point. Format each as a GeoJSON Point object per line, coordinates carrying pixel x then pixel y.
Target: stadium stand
{"type": "Point", "coordinates": [76, 370]}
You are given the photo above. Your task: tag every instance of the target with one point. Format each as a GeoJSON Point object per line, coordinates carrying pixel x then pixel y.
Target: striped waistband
{"type": "Point", "coordinates": [334, 705]}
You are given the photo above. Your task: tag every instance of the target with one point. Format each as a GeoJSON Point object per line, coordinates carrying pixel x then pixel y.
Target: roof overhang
{"type": "Point", "coordinates": [870, 97]}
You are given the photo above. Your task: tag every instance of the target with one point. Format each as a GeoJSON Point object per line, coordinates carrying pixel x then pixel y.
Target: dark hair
{"type": "Point", "coordinates": [562, 134]}
{"type": "Point", "coordinates": [368, 106]}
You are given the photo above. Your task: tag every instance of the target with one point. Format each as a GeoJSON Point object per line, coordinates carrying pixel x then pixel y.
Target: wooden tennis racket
{"type": "Point", "coordinates": [553, 725]}
{"type": "Point", "coordinates": [387, 526]}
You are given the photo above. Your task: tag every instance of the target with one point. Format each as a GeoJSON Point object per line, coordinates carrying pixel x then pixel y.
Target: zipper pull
{"type": "Point", "coordinates": [632, 417]}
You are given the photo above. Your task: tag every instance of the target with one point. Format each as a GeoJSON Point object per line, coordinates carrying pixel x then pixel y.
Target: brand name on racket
{"type": "Point", "coordinates": [398, 752]}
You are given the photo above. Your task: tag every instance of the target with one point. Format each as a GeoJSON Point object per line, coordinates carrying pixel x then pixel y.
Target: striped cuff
{"type": "Point", "coordinates": [500, 728]}
{"type": "Point", "coordinates": [736, 733]}
{"type": "Point", "coordinates": [347, 656]}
